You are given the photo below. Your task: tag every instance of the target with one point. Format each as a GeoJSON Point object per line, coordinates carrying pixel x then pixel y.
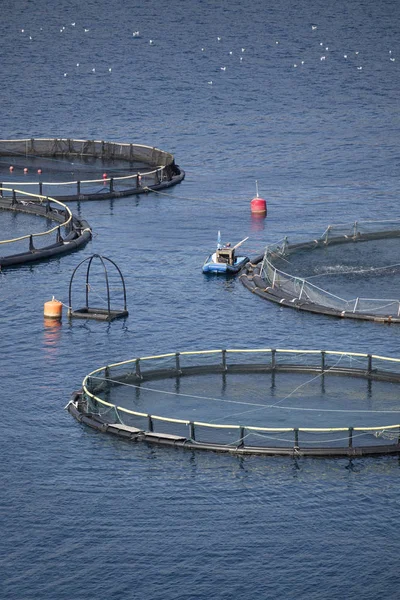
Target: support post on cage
{"type": "Point", "coordinates": [78, 188]}
{"type": "Point", "coordinates": [273, 359]}
{"type": "Point", "coordinates": [14, 198]}
{"type": "Point", "coordinates": [150, 423]}
{"type": "Point", "coordinates": [1, 190]}
{"type": "Point", "coordinates": [273, 279]}
{"type": "Point", "coordinates": [369, 371]}
{"type": "Point", "coordinates": [355, 305]}
{"type": "Point", "coordinates": [47, 206]}
{"type": "Point", "coordinates": [296, 437]}
{"type": "Point", "coordinates": [40, 188]}
{"type": "Point", "coordinates": [31, 246]}
{"type": "Point", "coordinates": [111, 184]}
{"type": "Point", "coordinates": [350, 437]}
{"type": "Point", "coordinates": [241, 437]}
{"type": "Point", "coordinates": [178, 364]}
{"type": "Point", "coordinates": [398, 310]}
{"type": "Point", "coordinates": [192, 434]}
{"type": "Point", "coordinates": [302, 288]}
{"type": "Point", "coordinates": [322, 361]}
{"type": "Point", "coordinates": [59, 236]}
{"type": "Point", "coordinates": [355, 229]}
{"type": "Point", "coordinates": [327, 234]}
{"type": "Point", "coordinates": [137, 369]}
{"type": "Point", "coordinates": [224, 366]}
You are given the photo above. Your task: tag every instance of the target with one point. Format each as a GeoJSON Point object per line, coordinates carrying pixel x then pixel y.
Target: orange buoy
{"type": "Point", "coordinates": [39, 171]}
{"type": "Point", "coordinates": [53, 309]}
{"type": "Point", "coordinates": [258, 206]}
{"type": "Point", "coordinates": [11, 168]}
{"type": "Point", "coordinates": [104, 175]}
{"type": "Point", "coordinates": [26, 170]}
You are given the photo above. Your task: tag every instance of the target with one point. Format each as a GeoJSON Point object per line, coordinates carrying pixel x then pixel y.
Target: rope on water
{"type": "Point", "coordinates": [261, 406]}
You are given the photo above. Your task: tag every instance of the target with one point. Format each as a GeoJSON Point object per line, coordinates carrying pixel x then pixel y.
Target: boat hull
{"type": "Point", "coordinates": [223, 268]}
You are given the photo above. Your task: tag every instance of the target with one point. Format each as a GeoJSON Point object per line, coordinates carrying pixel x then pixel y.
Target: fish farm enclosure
{"type": "Point", "coordinates": [71, 232]}
{"type": "Point", "coordinates": [70, 169]}
{"type": "Point", "coordinates": [359, 260]}
{"type": "Point", "coordinates": [263, 401]}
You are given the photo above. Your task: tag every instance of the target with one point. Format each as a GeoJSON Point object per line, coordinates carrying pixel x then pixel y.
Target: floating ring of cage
{"type": "Point", "coordinates": [361, 257]}
{"type": "Point", "coordinates": [70, 170]}
{"type": "Point", "coordinates": [250, 401]}
{"type": "Point", "coordinates": [106, 312]}
{"type": "Point", "coordinates": [69, 233]}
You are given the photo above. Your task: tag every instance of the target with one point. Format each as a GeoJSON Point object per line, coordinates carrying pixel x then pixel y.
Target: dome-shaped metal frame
{"type": "Point", "coordinates": [100, 314]}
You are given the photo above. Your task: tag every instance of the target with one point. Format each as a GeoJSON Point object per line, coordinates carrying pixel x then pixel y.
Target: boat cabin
{"type": "Point", "coordinates": [226, 255]}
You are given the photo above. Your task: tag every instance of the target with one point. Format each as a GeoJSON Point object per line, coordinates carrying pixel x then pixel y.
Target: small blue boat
{"type": "Point", "coordinates": [224, 259]}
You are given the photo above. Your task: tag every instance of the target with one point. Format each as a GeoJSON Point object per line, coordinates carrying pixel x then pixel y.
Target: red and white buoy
{"type": "Point", "coordinates": [258, 206]}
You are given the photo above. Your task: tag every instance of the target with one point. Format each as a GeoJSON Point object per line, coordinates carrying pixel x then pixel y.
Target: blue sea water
{"type": "Point", "coordinates": [85, 516]}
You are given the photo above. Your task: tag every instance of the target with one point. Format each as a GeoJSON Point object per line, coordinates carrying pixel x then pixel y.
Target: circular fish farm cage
{"type": "Point", "coordinates": [70, 233]}
{"type": "Point", "coordinates": [69, 169]}
{"type": "Point", "coordinates": [250, 401]}
{"type": "Point", "coordinates": [361, 258]}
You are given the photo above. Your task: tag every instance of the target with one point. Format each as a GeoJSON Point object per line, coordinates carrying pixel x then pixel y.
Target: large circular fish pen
{"type": "Point", "coordinates": [360, 260]}
{"type": "Point", "coordinates": [69, 169]}
{"type": "Point", "coordinates": [69, 233]}
{"type": "Point", "coordinates": [258, 401]}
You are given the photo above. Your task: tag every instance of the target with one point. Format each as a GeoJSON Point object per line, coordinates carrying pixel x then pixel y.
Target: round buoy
{"type": "Point", "coordinates": [258, 206]}
{"type": "Point", "coordinates": [25, 170]}
{"type": "Point", "coordinates": [53, 309]}
{"type": "Point", "coordinates": [39, 171]}
{"type": "Point", "coordinates": [11, 168]}
{"type": "Point", "coordinates": [104, 175]}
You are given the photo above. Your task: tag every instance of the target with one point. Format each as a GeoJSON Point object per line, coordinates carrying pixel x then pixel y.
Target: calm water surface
{"type": "Point", "coordinates": [85, 516]}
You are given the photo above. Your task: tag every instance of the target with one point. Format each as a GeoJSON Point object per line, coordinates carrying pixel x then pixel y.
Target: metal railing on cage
{"type": "Point", "coordinates": [24, 200]}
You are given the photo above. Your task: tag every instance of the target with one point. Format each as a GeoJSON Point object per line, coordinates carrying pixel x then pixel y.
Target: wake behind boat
{"type": "Point", "coordinates": [224, 259]}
